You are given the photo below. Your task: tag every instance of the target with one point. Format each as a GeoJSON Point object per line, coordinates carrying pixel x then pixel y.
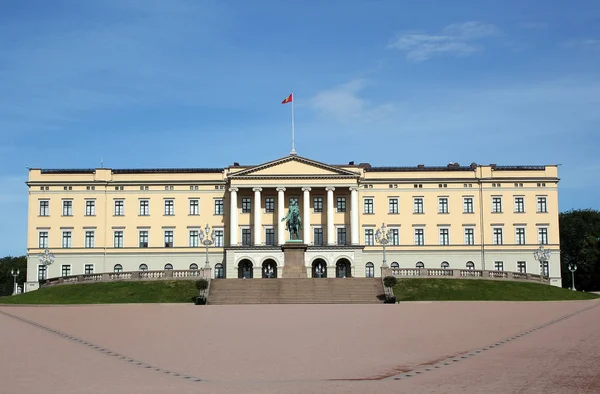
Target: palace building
{"type": "Point", "coordinates": [485, 217]}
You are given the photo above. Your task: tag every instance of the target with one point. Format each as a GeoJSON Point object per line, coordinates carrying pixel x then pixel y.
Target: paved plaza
{"type": "Point", "coordinates": [418, 347]}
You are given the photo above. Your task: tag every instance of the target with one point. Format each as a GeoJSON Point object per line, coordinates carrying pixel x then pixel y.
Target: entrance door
{"type": "Point", "coordinates": [245, 269]}
{"type": "Point", "coordinates": [342, 269]}
{"type": "Point", "coordinates": [269, 269]}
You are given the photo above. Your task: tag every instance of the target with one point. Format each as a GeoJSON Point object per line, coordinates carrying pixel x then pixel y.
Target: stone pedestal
{"type": "Point", "coordinates": [293, 259]}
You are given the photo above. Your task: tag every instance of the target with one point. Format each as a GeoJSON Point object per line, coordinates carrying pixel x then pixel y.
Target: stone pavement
{"type": "Point", "coordinates": [418, 347]}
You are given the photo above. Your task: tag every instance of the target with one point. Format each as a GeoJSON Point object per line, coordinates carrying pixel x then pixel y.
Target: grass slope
{"type": "Point", "coordinates": [109, 293]}
{"type": "Point", "coordinates": [481, 290]}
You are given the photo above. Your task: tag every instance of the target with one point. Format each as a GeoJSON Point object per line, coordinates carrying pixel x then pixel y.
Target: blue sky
{"type": "Point", "coordinates": [183, 83]}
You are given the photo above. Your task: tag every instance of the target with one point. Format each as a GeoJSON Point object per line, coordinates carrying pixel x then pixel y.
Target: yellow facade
{"type": "Point", "coordinates": [107, 212]}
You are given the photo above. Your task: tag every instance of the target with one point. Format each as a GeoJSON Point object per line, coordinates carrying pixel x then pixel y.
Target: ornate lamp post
{"type": "Point", "coordinates": [268, 271]}
{"type": "Point", "coordinates": [14, 274]}
{"type": "Point", "coordinates": [382, 235]}
{"type": "Point", "coordinates": [572, 268]}
{"type": "Point", "coordinates": [319, 270]}
{"type": "Point", "coordinates": [210, 239]}
{"type": "Point", "coordinates": [543, 256]}
{"type": "Point", "coordinates": [46, 258]}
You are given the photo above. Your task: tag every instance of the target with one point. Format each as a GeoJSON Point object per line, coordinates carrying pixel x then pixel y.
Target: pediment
{"type": "Point", "coordinates": [292, 167]}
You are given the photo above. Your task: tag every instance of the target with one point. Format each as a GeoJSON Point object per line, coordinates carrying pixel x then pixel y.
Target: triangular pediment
{"type": "Point", "coordinates": [293, 166]}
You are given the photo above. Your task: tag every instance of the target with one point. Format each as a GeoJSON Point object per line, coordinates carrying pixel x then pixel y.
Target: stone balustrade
{"type": "Point", "coordinates": [131, 276]}
{"type": "Point", "coordinates": [463, 274]}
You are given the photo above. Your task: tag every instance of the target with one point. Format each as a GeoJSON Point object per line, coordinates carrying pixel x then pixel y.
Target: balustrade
{"type": "Point", "coordinates": [471, 273]}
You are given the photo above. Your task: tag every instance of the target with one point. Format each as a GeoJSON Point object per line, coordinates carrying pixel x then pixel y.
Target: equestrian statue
{"type": "Point", "coordinates": [293, 223]}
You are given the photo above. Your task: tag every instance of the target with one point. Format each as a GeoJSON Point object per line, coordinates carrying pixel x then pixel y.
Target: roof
{"type": "Point", "coordinates": [135, 170]}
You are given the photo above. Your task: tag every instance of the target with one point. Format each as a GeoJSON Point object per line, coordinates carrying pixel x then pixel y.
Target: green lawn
{"type": "Point", "coordinates": [481, 290]}
{"type": "Point", "coordinates": [109, 293]}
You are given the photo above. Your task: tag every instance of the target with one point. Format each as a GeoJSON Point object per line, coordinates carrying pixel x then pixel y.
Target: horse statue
{"type": "Point", "coordinates": [293, 223]}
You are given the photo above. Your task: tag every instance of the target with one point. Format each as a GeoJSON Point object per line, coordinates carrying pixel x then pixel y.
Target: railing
{"type": "Point", "coordinates": [464, 274]}
{"type": "Point", "coordinates": [131, 276]}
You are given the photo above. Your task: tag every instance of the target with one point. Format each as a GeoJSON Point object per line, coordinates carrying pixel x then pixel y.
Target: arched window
{"type": "Point", "coordinates": [470, 265]}
{"type": "Point", "coordinates": [395, 268]}
{"type": "Point", "coordinates": [219, 272]}
{"type": "Point", "coordinates": [445, 265]}
{"type": "Point", "coordinates": [420, 264]}
{"type": "Point", "coordinates": [193, 266]}
{"type": "Point", "coordinates": [143, 267]}
{"type": "Point", "coordinates": [370, 270]}
{"type": "Point", "coordinates": [118, 268]}
{"type": "Point", "coordinates": [168, 266]}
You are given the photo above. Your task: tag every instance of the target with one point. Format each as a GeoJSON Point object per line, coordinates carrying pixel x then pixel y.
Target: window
{"type": "Point", "coordinates": [341, 204]}
{"type": "Point", "coordinates": [394, 236]}
{"type": "Point", "coordinates": [118, 239]}
{"type": "Point", "coordinates": [444, 236]}
{"type": "Point", "coordinates": [193, 266]}
{"type": "Point", "coordinates": [318, 204]}
{"type": "Point", "coordinates": [90, 208]}
{"type": "Point", "coordinates": [318, 236]}
{"type": "Point", "coordinates": [66, 239]}
{"type": "Point", "coordinates": [194, 238]}
{"type": "Point", "coordinates": [393, 205]}
{"type": "Point", "coordinates": [443, 205]}
{"type": "Point", "coordinates": [467, 204]}
{"type": "Point", "coordinates": [368, 206]}
{"type": "Point", "coordinates": [219, 209]}
{"type": "Point", "coordinates": [143, 238]}
{"type": "Point", "coordinates": [44, 208]}
{"type": "Point", "coordinates": [118, 268]}
{"type": "Point", "coordinates": [246, 205]}
{"type": "Point", "coordinates": [169, 208]}
{"type": "Point", "coordinates": [295, 199]}
{"type": "Point", "coordinates": [270, 236]}
{"type": "Point", "coordinates": [498, 236]}
{"type": "Point", "coordinates": [144, 207]}
{"type": "Point", "coordinates": [544, 268]}
{"type": "Point", "coordinates": [445, 265]}
{"type": "Point", "coordinates": [470, 265]}
{"type": "Point", "coordinates": [370, 270]}
{"type": "Point", "coordinates": [43, 239]}
{"type": "Point", "coordinates": [269, 204]}
{"type": "Point", "coordinates": [369, 237]}
{"type": "Point", "coordinates": [67, 208]}
{"type": "Point", "coordinates": [89, 239]}
{"type": "Point", "coordinates": [543, 235]}
{"type": "Point", "coordinates": [395, 268]}
{"type": "Point", "coordinates": [168, 238]}
{"type": "Point", "coordinates": [341, 235]}
{"type": "Point", "coordinates": [168, 266]}
{"type": "Point", "coordinates": [219, 271]}
{"type": "Point", "coordinates": [420, 264]}
{"type": "Point", "coordinates": [541, 205]}
{"type": "Point", "coordinates": [194, 207]}
{"type": "Point", "coordinates": [418, 205]}
{"type": "Point", "coordinates": [496, 204]}
{"type": "Point", "coordinates": [469, 236]}
{"type": "Point", "coordinates": [246, 237]}
{"type": "Point", "coordinates": [143, 267]}
{"type": "Point", "coordinates": [218, 238]}
{"type": "Point", "coordinates": [499, 265]}
{"type": "Point", "coordinates": [520, 235]}
{"type": "Point", "coordinates": [519, 204]}
{"type": "Point", "coordinates": [119, 207]}
{"type": "Point", "coordinates": [419, 237]}
{"type": "Point", "coordinates": [521, 267]}
{"type": "Point", "coordinates": [42, 272]}
{"type": "Point", "coordinates": [89, 269]}
{"type": "Point", "coordinates": [66, 270]}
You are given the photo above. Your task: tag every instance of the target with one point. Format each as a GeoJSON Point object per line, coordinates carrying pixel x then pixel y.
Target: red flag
{"type": "Point", "coordinates": [288, 99]}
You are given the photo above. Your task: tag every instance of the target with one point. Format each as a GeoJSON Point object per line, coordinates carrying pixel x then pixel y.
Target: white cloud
{"type": "Point", "coordinates": [585, 44]}
{"type": "Point", "coordinates": [456, 40]}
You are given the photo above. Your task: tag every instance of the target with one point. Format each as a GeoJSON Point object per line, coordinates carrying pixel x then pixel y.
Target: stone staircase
{"type": "Point", "coordinates": [296, 291]}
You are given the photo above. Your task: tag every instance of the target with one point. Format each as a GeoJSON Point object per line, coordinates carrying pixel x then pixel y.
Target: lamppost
{"type": "Point", "coordinates": [319, 270]}
{"type": "Point", "coordinates": [543, 256]}
{"type": "Point", "coordinates": [382, 235]}
{"type": "Point", "coordinates": [46, 259]}
{"type": "Point", "coordinates": [269, 271]}
{"type": "Point", "coordinates": [210, 239]}
{"type": "Point", "coordinates": [572, 268]}
{"type": "Point", "coordinates": [14, 274]}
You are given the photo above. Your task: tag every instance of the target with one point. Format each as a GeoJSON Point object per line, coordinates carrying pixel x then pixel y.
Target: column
{"type": "Point", "coordinates": [354, 215]}
{"type": "Point", "coordinates": [233, 217]}
{"type": "Point", "coordinates": [306, 214]}
{"type": "Point", "coordinates": [330, 227]}
{"type": "Point", "coordinates": [280, 215]}
{"type": "Point", "coordinates": [257, 217]}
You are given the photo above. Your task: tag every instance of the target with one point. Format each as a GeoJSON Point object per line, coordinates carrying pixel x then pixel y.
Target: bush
{"type": "Point", "coordinates": [201, 284]}
{"type": "Point", "coordinates": [390, 281]}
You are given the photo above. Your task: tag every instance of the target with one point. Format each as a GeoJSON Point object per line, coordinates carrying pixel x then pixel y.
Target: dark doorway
{"type": "Point", "coordinates": [245, 269]}
{"type": "Point", "coordinates": [342, 269]}
{"type": "Point", "coordinates": [269, 269]}
{"type": "Point", "coordinates": [319, 269]}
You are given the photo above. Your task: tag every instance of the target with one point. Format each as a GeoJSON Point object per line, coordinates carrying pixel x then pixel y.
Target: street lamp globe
{"type": "Point", "coordinates": [382, 236]}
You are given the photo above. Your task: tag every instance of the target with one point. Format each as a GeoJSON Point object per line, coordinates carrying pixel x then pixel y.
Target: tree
{"type": "Point", "coordinates": [7, 264]}
{"type": "Point", "coordinates": [580, 244]}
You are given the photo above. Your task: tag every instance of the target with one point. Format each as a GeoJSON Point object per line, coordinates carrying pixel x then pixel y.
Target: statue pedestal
{"type": "Point", "coordinates": [293, 259]}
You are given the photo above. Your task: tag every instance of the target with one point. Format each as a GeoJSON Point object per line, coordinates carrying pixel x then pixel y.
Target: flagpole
{"type": "Point", "coordinates": [293, 152]}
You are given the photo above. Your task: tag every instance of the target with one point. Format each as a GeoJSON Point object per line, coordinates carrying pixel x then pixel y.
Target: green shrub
{"type": "Point", "coordinates": [390, 281]}
{"type": "Point", "coordinates": [201, 284]}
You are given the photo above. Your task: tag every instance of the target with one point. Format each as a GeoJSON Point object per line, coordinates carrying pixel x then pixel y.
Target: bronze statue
{"type": "Point", "coordinates": [292, 220]}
